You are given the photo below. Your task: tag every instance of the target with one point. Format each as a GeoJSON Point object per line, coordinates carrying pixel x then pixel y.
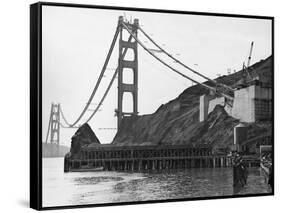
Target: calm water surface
{"type": "Point", "coordinates": [77, 188]}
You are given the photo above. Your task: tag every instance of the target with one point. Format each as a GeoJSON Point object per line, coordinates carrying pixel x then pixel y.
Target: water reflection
{"type": "Point", "coordinates": [106, 187]}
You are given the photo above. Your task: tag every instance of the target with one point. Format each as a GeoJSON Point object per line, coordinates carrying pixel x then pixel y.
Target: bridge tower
{"type": "Point", "coordinates": [54, 127]}
{"type": "Point", "coordinates": [131, 65]}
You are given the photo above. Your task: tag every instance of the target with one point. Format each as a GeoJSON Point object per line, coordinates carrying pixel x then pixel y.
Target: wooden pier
{"type": "Point", "coordinates": [145, 158]}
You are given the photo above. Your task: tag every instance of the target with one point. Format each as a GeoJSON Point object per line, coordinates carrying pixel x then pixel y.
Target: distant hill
{"type": "Point", "coordinates": [51, 150]}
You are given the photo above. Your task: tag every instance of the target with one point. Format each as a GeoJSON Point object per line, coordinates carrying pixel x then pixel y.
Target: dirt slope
{"type": "Point", "coordinates": [177, 122]}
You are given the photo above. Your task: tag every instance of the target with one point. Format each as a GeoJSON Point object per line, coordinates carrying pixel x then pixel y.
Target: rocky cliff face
{"type": "Point", "coordinates": [177, 122]}
{"type": "Point", "coordinates": [83, 137]}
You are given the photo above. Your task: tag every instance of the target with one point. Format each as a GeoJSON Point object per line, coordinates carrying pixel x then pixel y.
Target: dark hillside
{"type": "Point", "coordinates": [177, 122]}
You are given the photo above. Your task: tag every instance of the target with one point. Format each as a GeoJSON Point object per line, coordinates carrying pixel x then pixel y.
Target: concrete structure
{"type": "Point", "coordinates": [203, 107]}
{"type": "Point", "coordinates": [132, 66]}
{"type": "Point", "coordinates": [251, 104]}
{"type": "Point", "coordinates": [214, 102]}
{"type": "Point", "coordinates": [240, 135]}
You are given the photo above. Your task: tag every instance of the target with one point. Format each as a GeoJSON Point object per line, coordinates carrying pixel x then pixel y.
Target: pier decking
{"type": "Point", "coordinates": [145, 158]}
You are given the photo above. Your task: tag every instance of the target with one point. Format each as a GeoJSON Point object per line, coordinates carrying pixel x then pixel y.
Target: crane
{"type": "Point", "coordinates": [249, 61]}
{"type": "Point", "coordinates": [245, 71]}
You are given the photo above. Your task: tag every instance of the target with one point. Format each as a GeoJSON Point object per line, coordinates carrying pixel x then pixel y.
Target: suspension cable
{"type": "Point", "coordinates": [104, 96]}
{"type": "Point", "coordinates": [68, 125]}
{"type": "Point", "coordinates": [63, 126]}
{"type": "Point", "coordinates": [99, 79]}
{"type": "Point", "coordinates": [110, 83]}
{"type": "Point", "coordinates": [181, 63]}
{"type": "Point", "coordinates": [173, 69]}
{"type": "Point", "coordinates": [63, 117]}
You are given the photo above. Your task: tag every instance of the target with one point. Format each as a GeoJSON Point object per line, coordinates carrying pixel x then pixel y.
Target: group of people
{"type": "Point", "coordinates": [266, 160]}
{"type": "Point", "coordinates": [240, 173]}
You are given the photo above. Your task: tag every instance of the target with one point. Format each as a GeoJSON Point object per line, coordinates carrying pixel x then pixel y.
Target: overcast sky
{"type": "Point", "coordinates": [76, 42]}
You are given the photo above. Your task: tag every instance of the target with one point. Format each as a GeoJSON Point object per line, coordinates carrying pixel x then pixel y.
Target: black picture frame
{"type": "Point", "coordinates": [36, 101]}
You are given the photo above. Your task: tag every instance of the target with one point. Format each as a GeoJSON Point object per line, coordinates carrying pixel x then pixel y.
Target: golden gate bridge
{"type": "Point", "coordinates": [132, 29]}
